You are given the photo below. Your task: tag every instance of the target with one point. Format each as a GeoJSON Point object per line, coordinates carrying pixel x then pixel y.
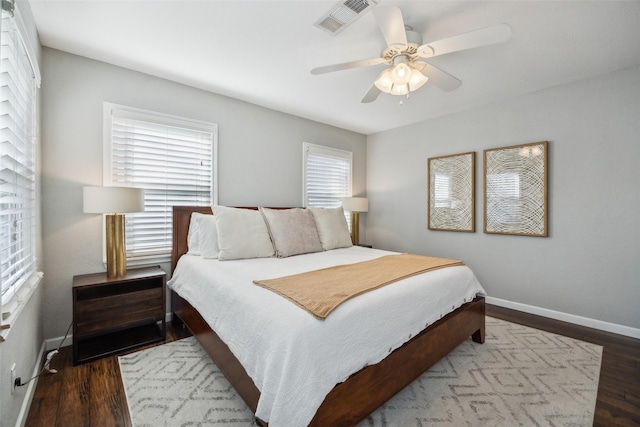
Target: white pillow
{"type": "Point", "coordinates": [193, 236]}
{"type": "Point", "coordinates": [208, 230]}
{"type": "Point", "coordinates": [242, 234]}
{"type": "Point", "coordinates": [332, 227]}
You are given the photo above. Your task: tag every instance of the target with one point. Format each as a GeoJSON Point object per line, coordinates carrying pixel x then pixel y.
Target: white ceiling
{"type": "Point", "coordinates": [262, 51]}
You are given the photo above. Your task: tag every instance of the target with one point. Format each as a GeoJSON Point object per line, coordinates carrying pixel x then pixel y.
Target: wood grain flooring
{"type": "Point", "coordinates": [92, 394]}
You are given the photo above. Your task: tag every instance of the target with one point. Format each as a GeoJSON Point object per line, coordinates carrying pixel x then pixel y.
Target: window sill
{"type": "Point", "coordinates": [144, 260]}
{"type": "Point", "coordinates": [148, 260]}
{"type": "Point", "coordinates": [17, 303]}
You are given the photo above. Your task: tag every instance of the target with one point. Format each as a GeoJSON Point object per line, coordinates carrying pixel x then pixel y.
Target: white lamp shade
{"type": "Point", "coordinates": [113, 199]}
{"type": "Point", "coordinates": [355, 204]}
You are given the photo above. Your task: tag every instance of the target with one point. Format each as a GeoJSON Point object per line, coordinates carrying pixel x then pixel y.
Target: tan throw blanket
{"type": "Point", "coordinates": [321, 291]}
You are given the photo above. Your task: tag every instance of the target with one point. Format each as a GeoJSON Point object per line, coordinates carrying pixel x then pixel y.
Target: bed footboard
{"type": "Point", "coordinates": [366, 390]}
{"type": "Point", "coordinates": [352, 400]}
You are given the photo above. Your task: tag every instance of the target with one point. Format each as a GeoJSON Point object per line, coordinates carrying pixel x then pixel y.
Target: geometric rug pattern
{"type": "Point", "coordinates": [519, 377]}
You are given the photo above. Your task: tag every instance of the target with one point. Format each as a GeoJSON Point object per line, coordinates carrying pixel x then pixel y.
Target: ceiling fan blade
{"type": "Point", "coordinates": [372, 95]}
{"type": "Point", "coordinates": [347, 65]}
{"type": "Point", "coordinates": [472, 39]}
{"type": "Point", "coordinates": [436, 76]}
{"type": "Point", "coordinates": [391, 26]}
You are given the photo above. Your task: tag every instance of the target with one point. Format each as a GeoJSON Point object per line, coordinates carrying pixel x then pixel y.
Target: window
{"type": "Point", "coordinates": [18, 81]}
{"type": "Point", "coordinates": [327, 176]}
{"type": "Point", "coordinates": [173, 159]}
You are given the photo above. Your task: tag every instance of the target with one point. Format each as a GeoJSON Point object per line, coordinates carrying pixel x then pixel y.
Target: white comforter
{"type": "Point", "coordinates": [295, 359]}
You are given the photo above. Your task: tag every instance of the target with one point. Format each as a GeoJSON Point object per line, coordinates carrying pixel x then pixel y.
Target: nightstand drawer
{"type": "Point", "coordinates": [119, 312]}
{"type": "Point", "coordinates": [127, 304]}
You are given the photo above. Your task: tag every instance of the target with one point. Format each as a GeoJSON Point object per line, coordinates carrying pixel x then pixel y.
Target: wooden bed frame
{"type": "Point", "coordinates": [352, 400]}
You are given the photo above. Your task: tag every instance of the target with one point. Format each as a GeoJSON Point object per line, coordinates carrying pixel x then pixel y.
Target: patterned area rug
{"type": "Point", "coordinates": [519, 377]}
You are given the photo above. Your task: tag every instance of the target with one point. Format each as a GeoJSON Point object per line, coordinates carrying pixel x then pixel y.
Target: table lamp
{"type": "Point", "coordinates": [114, 201]}
{"type": "Point", "coordinates": [355, 205]}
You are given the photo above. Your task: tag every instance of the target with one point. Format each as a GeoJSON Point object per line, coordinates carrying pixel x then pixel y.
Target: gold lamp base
{"type": "Point", "coordinates": [116, 253]}
{"type": "Point", "coordinates": [355, 228]}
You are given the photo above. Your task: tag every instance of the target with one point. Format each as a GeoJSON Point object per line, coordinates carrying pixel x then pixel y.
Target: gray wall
{"type": "Point", "coordinates": [589, 265]}
{"type": "Point", "coordinates": [260, 152]}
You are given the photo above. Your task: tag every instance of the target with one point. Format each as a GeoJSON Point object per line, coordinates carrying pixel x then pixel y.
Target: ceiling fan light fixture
{"type": "Point", "coordinates": [400, 79]}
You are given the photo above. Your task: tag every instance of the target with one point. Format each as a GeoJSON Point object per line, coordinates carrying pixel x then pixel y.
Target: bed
{"type": "Point", "coordinates": [348, 401]}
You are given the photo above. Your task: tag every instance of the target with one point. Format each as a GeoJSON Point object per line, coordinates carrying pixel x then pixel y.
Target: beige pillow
{"type": "Point", "coordinates": [242, 234]}
{"type": "Point", "coordinates": [332, 227]}
{"type": "Point", "coordinates": [292, 231]}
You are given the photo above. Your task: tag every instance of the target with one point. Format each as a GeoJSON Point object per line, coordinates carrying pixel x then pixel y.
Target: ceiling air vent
{"type": "Point", "coordinates": [344, 14]}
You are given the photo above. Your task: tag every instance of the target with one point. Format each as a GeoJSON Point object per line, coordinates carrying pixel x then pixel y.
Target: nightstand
{"type": "Point", "coordinates": [118, 314]}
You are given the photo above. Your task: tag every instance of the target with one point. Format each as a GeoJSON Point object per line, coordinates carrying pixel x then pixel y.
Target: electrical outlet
{"type": "Point", "coordinates": [13, 378]}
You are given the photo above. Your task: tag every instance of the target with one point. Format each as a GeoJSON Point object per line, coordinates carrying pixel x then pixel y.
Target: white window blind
{"type": "Point", "coordinates": [327, 176]}
{"type": "Point", "coordinates": [172, 159]}
{"type": "Point", "coordinates": [17, 161]}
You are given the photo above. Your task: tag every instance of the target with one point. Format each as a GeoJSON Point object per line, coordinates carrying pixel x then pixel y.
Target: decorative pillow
{"type": "Point", "coordinates": [292, 231]}
{"type": "Point", "coordinates": [193, 236]}
{"type": "Point", "coordinates": [332, 227]}
{"type": "Point", "coordinates": [208, 236]}
{"type": "Point", "coordinates": [242, 234]}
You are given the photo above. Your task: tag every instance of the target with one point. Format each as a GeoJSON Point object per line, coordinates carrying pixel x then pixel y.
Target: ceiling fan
{"type": "Point", "coordinates": [406, 72]}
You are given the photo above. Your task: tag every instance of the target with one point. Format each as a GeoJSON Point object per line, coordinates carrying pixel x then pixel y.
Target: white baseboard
{"type": "Point", "coordinates": [565, 317]}
{"type": "Point", "coordinates": [31, 389]}
{"type": "Point", "coordinates": [53, 343]}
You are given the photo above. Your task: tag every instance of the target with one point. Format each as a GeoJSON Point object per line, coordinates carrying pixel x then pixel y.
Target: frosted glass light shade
{"type": "Point", "coordinates": [355, 204]}
{"type": "Point", "coordinates": [400, 89]}
{"type": "Point", "coordinates": [401, 74]}
{"type": "Point", "coordinates": [113, 200]}
{"type": "Point", "coordinates": [384, 82]}
{"type": "Point", "coordinates": [417, 80]}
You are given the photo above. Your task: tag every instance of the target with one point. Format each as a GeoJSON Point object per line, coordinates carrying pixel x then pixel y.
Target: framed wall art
{"type": "Point", "coordinates": [515, 190]}
{"type": "Point", "coordinates": [451, 192]}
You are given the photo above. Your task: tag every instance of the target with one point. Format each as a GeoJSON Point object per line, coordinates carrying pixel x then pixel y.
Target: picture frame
{"type": "Point", "coordinates": [516, 190]}
{"type": "Point", "coordinates": [451, 192]}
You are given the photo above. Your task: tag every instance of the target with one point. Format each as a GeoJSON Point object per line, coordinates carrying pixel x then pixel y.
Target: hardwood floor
{"type": "Point", "coordinates": [92, 394]}
{"type": "Point", "coordinates": [88, 395]}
